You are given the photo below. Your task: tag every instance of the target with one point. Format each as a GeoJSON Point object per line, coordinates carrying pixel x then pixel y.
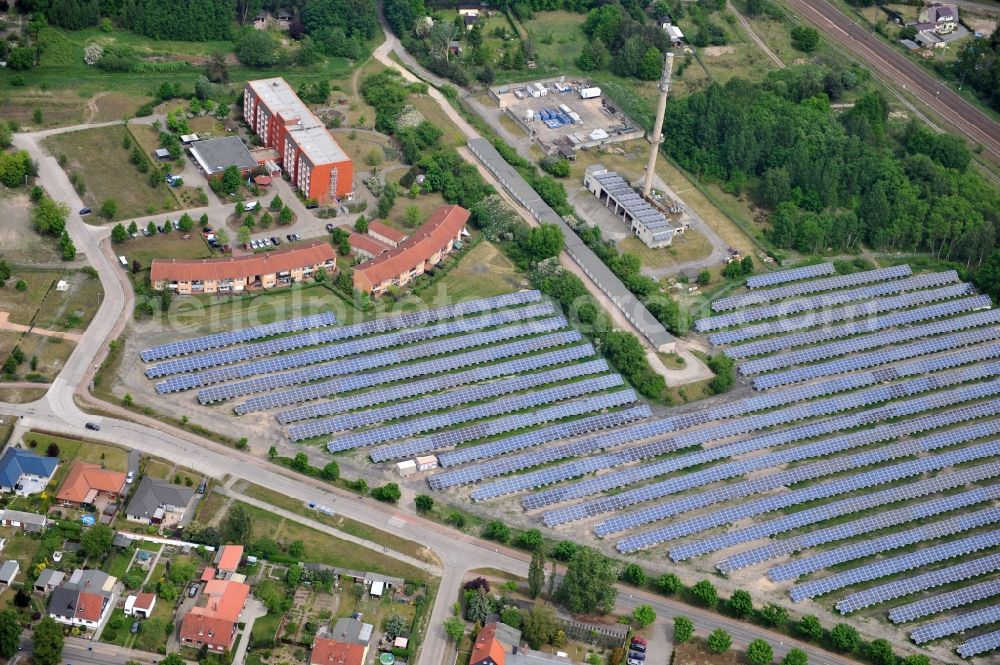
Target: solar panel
{"type": "Point", "coordinates": [488, 428]}
{"type": "Point", "coordinates": [441, 401]}
{"type": "Point", "coordinates": [778, 501]}
{"type": "Point", "coordinates": [375, 360]}
{"type": "Point", "coordinates": [895, 565]}
{"type": "Point", "coordinates": [876, 358]}
{"type": "Point", "coordinates": [957, 624]}
{"type": "Point", "coordinates": [866, 325]}
{"type": "Point", "coordinates": [912, 584]}
{"type": "Point", "coordinates": [872, 546]}
{"type": "Point", "coordinates": [328, 336]}
{"type": "Point", "coordinates": [353, 347]}
{"type": "Point", "coordinates": [413, 388]}
{"type": "Point", "coordinates": [876, 340]}
{"type": "Point", "coordinates": [231, 337]}
{"type": "Point", "coordinates": [855, 311]}
{"type": "Point", "coordinates": [945, 601]}
{"type": "Point", "coordinates": [859, 527]}
{"type": "Point", "coordinates": [405, 372]}
{"type": "Point", "coordinates": [812, 286]}
{"type": "Point", "coordinates": [979, 644]}
{"type": "Point", "coordinates": [790, 275]}
{"type": "Point", "coordinates": [789, 307]}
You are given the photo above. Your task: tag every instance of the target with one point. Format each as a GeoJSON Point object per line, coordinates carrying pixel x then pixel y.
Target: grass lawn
{"type": "Point", "coordinates": [51, 352]}
{"type": "Point", "coordinates": [481, 273]}
{"type": "Point", "coordinates": [116, 565]}
{"type": "Point", "coordinates": [322, 548]}
{"type": "Point", "coordinates": [21, 548]}
{"type": "Point", "coordinates": [163, 246]}
{"type": "Point", "coordinates": [689, 246]}
{"type": "Point", "coordinates": [158, 469]}
{"type": "Point", "coordinates": [209, 507]}
{"type": "Point", "coordinates": [118, 635]}
{"type": "Point", "coordinates": [558, 40]}
{"type": "Point", "coordinates": [103, 164]}
{"type": "Point", "coordinates": [74, 308]}
{"type": "Point", "coordinates": [435, 115]}
{"type": "Point", "coordinates": [339, 522]}
{"type": "Point", "coordinates": [23, 305]}
{"type": "Point", "coordinates": [113, 458]}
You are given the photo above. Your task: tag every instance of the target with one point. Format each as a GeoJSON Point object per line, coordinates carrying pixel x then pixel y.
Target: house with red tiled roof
{"type": "Point", "coordinates": [212, 621]}
{"type": "Point", "coordinates": [85, 482]}
{"type": "Point", "coordinates": [334, 652]}
{"type": "Point", "coordinates": [385, 233]}
{"type": "Point", "coordinates": [228, 560]}
{"type": "Point", "coordinates": [488, 650]}
{"type": "Point", "coordinates": [426, 248]}
{"type": "Point", "coordinates": [367, 247]}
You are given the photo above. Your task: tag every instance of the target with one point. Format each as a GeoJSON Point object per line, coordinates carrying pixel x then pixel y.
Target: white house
{"type": "Point", "coordinates": [140, 605]}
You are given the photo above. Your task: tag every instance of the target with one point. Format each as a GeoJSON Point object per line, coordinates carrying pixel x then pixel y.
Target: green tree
{"type": "Point", "coordinates": [805, 38]}
{"type": "Point", "coordinates": [411, 216]}
{"type": "Point", "coordinates": [759, 652]}
{"type": "Point", "coordinates": [644, 615]}
{"type": "Point", "coordinates": [536, 573]}
{"type": "Point", "coordinates": [844, 637]}
{"type": "Point", "coordinates": [880, 652]}
{"type": "Point", "coordinates": [48, 639]}
{"type": "Point", "coordinates": [530, 539]}
{"type": "Point", "coordinates": [96, 542]}
{"type": "Point", "coordinates": [119, 233]}
{"type": "Point", "coordinates": [285, 217]}
{"type": "Point", "coordinates": [454, 628]}
{"type": "Point", "coordinates": [243, 235]}
{"type": "Point", "coordinates": [109, 207]}
{"type": "Point", "coordinates": [651, 65]}
{"type": "Point", "coordinates": [539, 625]}
{"type": "Point", "coordinates": [809, 627]}
{"type": "Point", "coordinates": [704, 277]}
{"type": "Point", "coordinates": [300, 462]}
{"type": "Point", "coordinates": [496, 530]}
{"type": "Point", "coordinates": [683, 629]}
{"type": "Point", "coordinates": [424, 503]}
{"type": "Point", "coordinates": [185, 223]}
{"type": "Point", "coordinates": [669, 583]}
{"type": "Point", "coordinates": [511, 616]}
{"type": "Point", "coordinates": [361, 224]}
{"type": "Point", "coordinates": [719, 641]}
{"type": "Point", "coordinates": [634, 574]}
{"type": "Point", "coordinates": [796, 656]}
{"type": "Point", "coordinates": [276, 203]}
{"type": "Point", "coordinates": [238, 525]}
{"type": "Point", "coordinates": [394, 626]}
{"type": "Point", "coordinates": [21, 285]}
{"type": "Point", "coordinates": [589, 583]}
{"type": "Point", "coordinates": [151, 228]}
{"type": "Point", "coordinates": [388, 493]}
{"type": "Point", "coordinates": [917, 659]}
{"type": "Point", "coordinates": [704, 593]}
{"type": "Point", "coordinates": [257, 48]}
{"type": "Point", "coordinates": [5, 272]}
{"type": "Point", "coordinates": [10, 633]}
{"type": "Point", "coordinates": [331, 471]}
{"type": "Point", "coordinates": [542, 242]}
{"type": "Point", "coordinates": [774, 614]}
{"type": "Point", "coordinates": [133, 228]}
{"type": "Point", "coordinates": [740, 603]}
{"type": "Point", "coordinates": [594, 56]}
{"type": "Point", "coordinates": [231, 179]}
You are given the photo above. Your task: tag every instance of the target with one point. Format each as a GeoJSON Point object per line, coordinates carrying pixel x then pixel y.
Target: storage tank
{"type": "Point", "coordinates": [590, 93]}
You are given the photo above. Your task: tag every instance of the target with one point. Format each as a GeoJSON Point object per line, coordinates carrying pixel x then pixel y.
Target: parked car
{"type": "Point", "coordinates": [93, 426]}
{"type": "Point", "coordinates": [295, 237]}
{"type": "Point", "coordinates": [636, 655]}
{"type": "Point", "coordinates": [85, 211]}
{"type": "Point", "coordinates": [135, 627]}
{"type": "Point", "coordinates": [290, 237]}
{"type": "Point", "coordinates": [312, 206]}
{"type": "Point", "coordinates": [146, 232]}
{"type": "Point", "coordinates": [638, 644]}
{"type": "Point", "coordinates": [193, 590]}
{"type": "Point", "coordinates": [202, 486]}
{"type": "Point", "coordinates": [276, 240]}
{"type": "Point", "coordinates": [329, 228]}
{"type": "Point", "coordinates": [130, 477]}
{"type": "Point", "coordinates": [207, 231]}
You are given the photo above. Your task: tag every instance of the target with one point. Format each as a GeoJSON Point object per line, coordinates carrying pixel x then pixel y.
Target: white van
{"type": "Point", "coordinates": [251, 205]}
{"type": "Point", "coordinates": [121, 260]}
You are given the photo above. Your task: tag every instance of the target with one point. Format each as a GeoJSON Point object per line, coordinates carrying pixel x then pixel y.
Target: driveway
{"type": "Point", "coordinates": [254, 610]}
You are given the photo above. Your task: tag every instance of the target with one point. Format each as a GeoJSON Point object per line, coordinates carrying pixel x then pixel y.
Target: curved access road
{"type": "Point", "coordinates": [965, 118]}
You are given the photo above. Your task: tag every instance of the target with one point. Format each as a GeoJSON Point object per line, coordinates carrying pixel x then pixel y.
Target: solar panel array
{"type": "Point", "coordinates": [812, 286]}
{"type": "Point", "coordinates": [943, 602]}
{"type": "Point", "coordinates": [957, 624]}
{"type": "Point", "coordinates": [791, 275]}
{"type": "Point", "coordinates": [452, 380]}
{"type": "Point", "coordinates": [405, 372]}
{"type": "Point", "coordinates": [219, 340]}
{"type": "Point", "coordinates": [786, 308]}
{"type": "Point", "coordinates": [979, 644]}
{"type": "Point", "coordinates": [375, 360]}
{"type": "Point", "coordinates": [352, 347]}
{"type": "Point", "coordinates": [498, 426]}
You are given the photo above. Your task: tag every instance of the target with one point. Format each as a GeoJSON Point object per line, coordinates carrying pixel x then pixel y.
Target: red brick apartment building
{"type": "Point", "coordinates": [317, 166]}
{"type": "Point", "coordinates": [414, 256]}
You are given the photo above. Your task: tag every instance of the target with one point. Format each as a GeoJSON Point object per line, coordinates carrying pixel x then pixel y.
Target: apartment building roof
{"type": "Point", "coordinates": [308, 131]}
{"type": "Point", "coordinates": [431, 237]}
{"type": "Point", "coordinates": [279, 260]}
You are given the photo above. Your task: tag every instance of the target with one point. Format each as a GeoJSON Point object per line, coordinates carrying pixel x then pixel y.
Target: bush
{"type": "Point", "coordinates": [388, 493]}
{"type": "Point", "coordinates": [704, 593]}
{"type": "Point", "coordinates": [719, 641]}
{"type": "Point", "coordinates": [683, 629]}
{"type": "Point", "coordinates": [844, 637]}
{"type": "Point", "coordinates": [496, 530]}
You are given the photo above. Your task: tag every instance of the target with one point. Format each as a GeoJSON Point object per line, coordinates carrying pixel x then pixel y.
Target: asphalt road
{"type": "Point", "coordinates": [897, 68]}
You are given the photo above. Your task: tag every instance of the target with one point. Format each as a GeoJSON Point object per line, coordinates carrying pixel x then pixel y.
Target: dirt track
{"type": "Point", "coordinates": [962, 116]}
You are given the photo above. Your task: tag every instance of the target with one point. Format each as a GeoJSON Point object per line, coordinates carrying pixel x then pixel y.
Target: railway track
{"type": "Point", "coordinates": [962, 116]}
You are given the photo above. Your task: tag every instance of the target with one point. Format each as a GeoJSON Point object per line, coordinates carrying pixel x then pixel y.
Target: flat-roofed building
{"type": "Point", "coordinates": [426, 248]}
{"type": "Point", "coordinates": [315, 163]}
{"type": "Point", "coordinates": [646, 223]}
{"type": "Point", "coordinates": [280, 267]}
{"type": "Point", "coordinates": [214, 156]}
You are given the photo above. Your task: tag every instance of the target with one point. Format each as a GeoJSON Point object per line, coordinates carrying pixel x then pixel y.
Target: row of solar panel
{"type": "Point", "coordinates": [376, 326]}
{"type": "Point", "coordinates": [790, 275]}
{"type": "Point", "coordinates": [731, 469]}
{"type": "Point", "coordinates": [833, 510]}
{"type": "Point", "coordinates": [219, 340]}
{"type": "Point", "coordinates": [855, 311]}
{"type": "Point", "coordinates": [979, 644]}
{"type": "Point", "coordinates": [867, 325]}
{"type": "Point", "coordinates": [585, 465]}
{"type": "Point", "coordinates": [434, 384]}
{"type": "Point", "coordinates": [445, 400]}
{"type": "Point", "coordinates": [404, 372]}
{"type": "Point", "coordinates": [877, 340]}
{"type": "Point", "coordinates": [812, 286]}
{"type": "Point", "coordinates": [876, 358]}
{"type": "Point", "coordinates": [777, 480]}
{"type": "Point", "coordinates": [858, 527]}
{"type": "Point", "coordinates": [353, 347]}
{"type": "Point", "coordinates": [503, 425]}
{"type": "Point", "coordinates": [491, 409]}
{"type": "Point", "coordinates": [376, 360]}
{"type": "Point", "coordinates": [779, 501]}
{"type": "Point", "coordinates": [957, 624]}
{"type": "Point", "coordinates": [832, 299]}
{"type": "Point", "coordinates": [945, 601]}
{"type": "Point", "coordinates": [872, 546]}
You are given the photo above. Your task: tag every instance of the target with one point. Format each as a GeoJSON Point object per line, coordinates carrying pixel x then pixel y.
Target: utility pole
{"type": "Point", "coordinates": [655, 137]}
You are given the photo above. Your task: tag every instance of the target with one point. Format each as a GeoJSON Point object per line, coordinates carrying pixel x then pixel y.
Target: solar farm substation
{"type": "Point", "coordinates": [568, 114]}
{"type": "Point", "coordinates": [859, 467]}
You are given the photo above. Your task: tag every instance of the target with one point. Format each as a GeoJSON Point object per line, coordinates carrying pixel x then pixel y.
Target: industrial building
{"type": "Point", "coordinates": [314, 162]}
{"type": "Point", "coordinates": [214, 156]}
{"type": "Point", "coordinates": [646, 223]}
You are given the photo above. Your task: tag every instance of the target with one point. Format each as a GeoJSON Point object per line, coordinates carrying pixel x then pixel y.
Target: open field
{"type": "Point", "coordinates": [161, 246]}
{"type": "Point", "coordinates": [98, 157]}
{"type": "Point", "coordinates": [20, 243]}
{"type": "Point", "coordinates": [558, 39]}
{"type": "Point", "coordinates": [22, 305]}
{"type": "Point", "coordinates": [435, 115]}
{"type": "Point", "coordinates": [688, 246]}
{"type": "Point", "coordinates": [482, 273]}
{"type": "Point", "coordinates": [52, 353]}
{"type": "Point", "coordinates": [44, 306]}
{"type": "Point", "coordinates": [21, 395]}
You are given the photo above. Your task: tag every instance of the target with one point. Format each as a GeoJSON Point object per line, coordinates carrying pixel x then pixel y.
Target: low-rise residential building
{"type": "Point", "coordinates": [30, 522]}
{"type": "Point", "coordinates": [24, 473]}
{"type": "Point", "coordinates": [212, 622]}
{"type": "Point", "coordinates": [84, 600]}
{"type": "Point", "coordinates": [334, 652]}
{"type": "Point", "coordinates": [140, 605]}
{"type": "Point", "coordinates": [280, 267]}
{"type": "Point", "coordinates": [159, 502]}
{"type": "Point", "coordinates": [938, 17]}
{"type": "Point", "coordinates": [366, 247]}
{"type": "Point", "coordinates": [499, 644]}
{"type": "Point", "coordinates": [227, 561]}
{"type": "Point", "coordinates": [423, 250]}
{"type": "Point", "coordinates": [351, 631]}
{"type": "Point", "coordinates": [86, 482]}
{"type": "Point", "coordinates": [385, 233]}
